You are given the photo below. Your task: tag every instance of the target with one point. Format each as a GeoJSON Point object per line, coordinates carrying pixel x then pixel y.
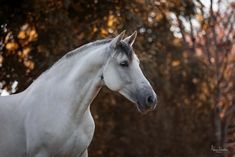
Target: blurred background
{"type": "Point", "coordinates": [187, 51]}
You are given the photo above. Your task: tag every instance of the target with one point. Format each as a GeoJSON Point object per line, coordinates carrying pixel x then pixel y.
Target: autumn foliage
{"type": "Point", "coordinates": [187, 52]}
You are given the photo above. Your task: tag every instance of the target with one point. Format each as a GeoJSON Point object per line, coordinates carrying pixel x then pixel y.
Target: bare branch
{"type": "Point", "coordinates": [192, 34]}
{"type": "Point", "coordinates": [181, 27]}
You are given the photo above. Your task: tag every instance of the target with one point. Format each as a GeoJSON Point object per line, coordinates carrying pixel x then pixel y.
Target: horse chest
{"type": "Point", "coordinates": [80, 137]}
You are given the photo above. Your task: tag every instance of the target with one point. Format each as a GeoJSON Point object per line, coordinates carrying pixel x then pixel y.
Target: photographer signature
{"type": "Point", "coordinates": [218, 149]}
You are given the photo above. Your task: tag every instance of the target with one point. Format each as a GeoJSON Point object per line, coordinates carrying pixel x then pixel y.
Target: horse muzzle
{"type": "Point", "coordinates": [146, 101]}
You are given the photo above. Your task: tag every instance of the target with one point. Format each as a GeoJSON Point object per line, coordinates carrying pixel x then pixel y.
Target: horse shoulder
{"type": "Point", "coordinates": [12, 137]}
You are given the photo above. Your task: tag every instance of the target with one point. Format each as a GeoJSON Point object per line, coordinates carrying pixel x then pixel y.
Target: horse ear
{"type": "Point", "coordinates": [115, 41]}
{"type": "Point", "coordinates": [131, 39]}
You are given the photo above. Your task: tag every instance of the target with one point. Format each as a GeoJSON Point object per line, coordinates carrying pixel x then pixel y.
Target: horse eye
{"type": "Point", "coordinates": [124, 64]}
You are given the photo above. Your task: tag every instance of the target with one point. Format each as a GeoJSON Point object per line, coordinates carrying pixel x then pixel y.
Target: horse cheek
{"type": "Point", "coordinates": [112, 80]}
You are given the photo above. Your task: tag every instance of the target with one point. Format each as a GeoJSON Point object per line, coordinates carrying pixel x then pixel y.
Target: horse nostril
{"type": "Point", "coordinates": [150, 100]}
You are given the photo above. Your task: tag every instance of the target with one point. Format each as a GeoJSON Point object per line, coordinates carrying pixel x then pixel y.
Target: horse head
{"type": "Point", "coordinates": [123, 74]}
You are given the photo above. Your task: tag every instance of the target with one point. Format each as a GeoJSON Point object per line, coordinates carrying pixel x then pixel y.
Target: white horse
{"type": "Point", "coordinates": [52, 118]}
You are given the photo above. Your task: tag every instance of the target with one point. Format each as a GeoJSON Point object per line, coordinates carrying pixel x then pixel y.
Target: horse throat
{"type": "Point", "coordinates": [88, 92]}
{"type": "Point", "coordinates": [88, 82]}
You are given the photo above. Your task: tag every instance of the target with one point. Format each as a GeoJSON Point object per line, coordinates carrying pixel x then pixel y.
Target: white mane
{"type": "Point", "coordinates": [78, 51]}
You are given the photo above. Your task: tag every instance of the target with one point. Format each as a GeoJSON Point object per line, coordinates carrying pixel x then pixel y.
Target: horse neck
{"type": "Point", "coordinates": [75, 81]}
{"type": "Point", "coordinates": [86, 77]}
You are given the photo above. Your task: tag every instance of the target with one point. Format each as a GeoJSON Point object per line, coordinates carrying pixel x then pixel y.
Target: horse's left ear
{"type": "Point", "coordinates": [115, 41]}
{"type": "Point", "coordinates": [131, 39]}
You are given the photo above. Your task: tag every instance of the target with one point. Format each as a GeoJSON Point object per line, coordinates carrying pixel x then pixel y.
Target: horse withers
{"type": "Point", "coordinates": [52, 117]}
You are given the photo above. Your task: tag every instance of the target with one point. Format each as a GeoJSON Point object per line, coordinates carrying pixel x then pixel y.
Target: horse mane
{"type": "Point", "coordinates": [78, 51]}
{"type": "Point", "coordinates": [86, 46]}
{"type": "Point", "coordinates": [122, 47]}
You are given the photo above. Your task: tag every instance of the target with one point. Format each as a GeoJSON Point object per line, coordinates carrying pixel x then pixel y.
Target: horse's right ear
{"type": "Point", "coordinates": [131, 39]}
{"type": "Point", "coordinates": [115, 41]}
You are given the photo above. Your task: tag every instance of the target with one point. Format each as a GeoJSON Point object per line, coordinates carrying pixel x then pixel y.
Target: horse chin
{"type": "Point", "coordinates": [142, 109]}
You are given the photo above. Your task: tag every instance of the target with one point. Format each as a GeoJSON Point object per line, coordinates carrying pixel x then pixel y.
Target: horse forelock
{"type": "Point", "coordinates": [125, 49]}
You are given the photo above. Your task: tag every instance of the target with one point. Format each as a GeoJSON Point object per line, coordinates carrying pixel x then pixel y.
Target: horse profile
{"type": "Point", "coordinates": [52, 117]}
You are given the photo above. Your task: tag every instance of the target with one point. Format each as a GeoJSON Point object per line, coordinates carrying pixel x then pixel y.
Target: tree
{"type": "Point", "coordinates": [214, 43]}
{"type": "Point", "coordinates": [176, 56]}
